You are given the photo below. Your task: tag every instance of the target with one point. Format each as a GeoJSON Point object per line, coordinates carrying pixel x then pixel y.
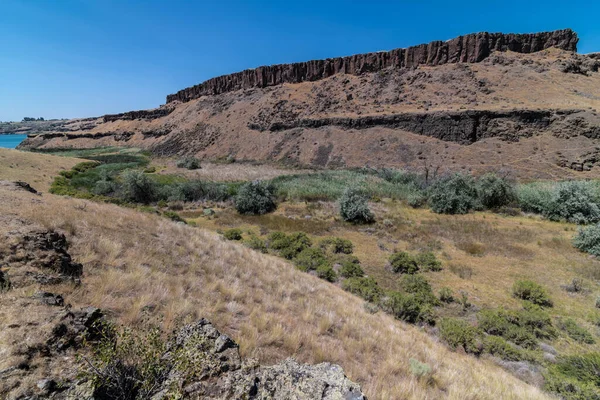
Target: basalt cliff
{"type": "Point", "coordinates": [464, 49]}
{"type": "Point", "coordinates": [524, 103]}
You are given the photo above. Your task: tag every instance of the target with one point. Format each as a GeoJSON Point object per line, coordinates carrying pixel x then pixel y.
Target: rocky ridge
{"type": "Point", "coordinates": [470, 48]}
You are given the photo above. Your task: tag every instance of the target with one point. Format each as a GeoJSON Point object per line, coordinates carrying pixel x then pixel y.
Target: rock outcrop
{"type": "Point", "coordinates": [223, 374]}
{"type": "Point", "coordinates": [141, 114]}
{"type": "Point", "coordinates": [471, 48]}
{"type": "Point", "coordinates": [38, 256]}
{"type": "Point", "coordinates": [40, 333]}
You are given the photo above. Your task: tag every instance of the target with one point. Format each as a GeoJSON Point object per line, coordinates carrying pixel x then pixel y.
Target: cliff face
{"type": "Point", "coordinates": [471, 48]}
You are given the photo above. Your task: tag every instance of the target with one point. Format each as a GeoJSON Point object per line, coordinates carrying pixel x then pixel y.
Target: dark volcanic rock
{"type": "Point", "coordinates": [471, 48]}
{"type": "Point", "coordinates": [40, 256]}
{"type": "Point", "coordinates": [50, 299]}
{"type": "Point", "coordinates": [463, 127]}
{"type": "Point", "coordinates": [141, 114]}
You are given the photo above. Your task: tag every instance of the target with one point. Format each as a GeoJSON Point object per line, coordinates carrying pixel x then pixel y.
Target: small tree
{"type": "Point", "coordinates": [354, 207]}
{"type": "Point", "coordinates": [255, 198]}
{"type": "Point", "coordinates": [453, 194]}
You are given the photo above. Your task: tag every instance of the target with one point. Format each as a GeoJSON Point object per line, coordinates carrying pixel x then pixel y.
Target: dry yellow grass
{"type": "Point", "coordinates": [36, 169]}
{"type": "Point", "coordinates": [494, 250]}
{"type": "Point", "coordinates": [142, 268]}
{"type": "Point", "coordinates": [226, 172]}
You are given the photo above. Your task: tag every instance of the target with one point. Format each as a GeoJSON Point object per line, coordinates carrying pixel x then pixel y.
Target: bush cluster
{"type": "Point", "coordinates": [576, 332]}
{"type": "Point", "coordinates": [572, 201]}
{"type": "Point", "coordinates": [460, 193]}
{"type": "Point", "coordinates": [255, 198]}
{"type": "Point", "coordinates": [404, 263]}
{"type": "Point", "coordinates": [453, 194]}
{"type": "Point", "coordinates": [532, 292]}
{"type": "Point", "coordinates": [337, 245]}
{"type": "Point", "coordinates": [365, 287]}
{"type": "Point", "coordinates": [588, 240]}
{"type": "Point", "coordinates": [459, 333]}
{"type": "Point", "coordinates": [523, 327]}
{"type": "Point", "coordinates": [575, 377]}
{"type": "Point", "coordinates": [354, 207]}
{"type": "Point", "coordinates": [233, 234]}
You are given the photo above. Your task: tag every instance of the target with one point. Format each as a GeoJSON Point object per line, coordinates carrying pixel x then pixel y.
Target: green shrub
{"type": "Point", "coordinates": [197, 190]}
{"type": "Point", "coordinates": [365, 287]}
{"type": "Point", "coordinates": [419, 369]}
{"type": "Point", "coordinates": [138, 186]}
{"type": "Point", "coordinates": [350, 268]}
{"type": "Point", "coordinates": [494, 192]}
{"type": "Point", "coordinates": [588, 240]}
{"type": "Point", "coordinates": [573, 201]}
{"type": "Point", "coordinates": [416, 200]}
{"type": "Point", "coordinates": [324, 271]}
{"type": "Point", "coordinates": [173, 216]}
{"type": "Point", "coordinates": [534, 197]}
{"type": "Point", "coordinates": [311, 259]}
{"type": "Point", "coordinates": [531, 291]}
{"type": "Point", "coordinates": [84, 166]}
{"type": "Point", "coordinates": [255, 198]}
{"type": "Point", "coordinates": [418, 286]}
{"type": "Point", "coordinates": [354, 207]}
{"type": "Point", "coordinates": [523, 327]}
{"type": "Point", "coordinates": [104, 187]}
{"type": "Point", "coordinates": [406, 307]}
{"type": "Point", "coordinates": [446, 295]}
{"type": "Point", "coordinates": [289, 245]}
{"type": "Point", "coordinates": [337, 245]}
{"type": "Point", "coordinates": [150, 170]}
{"type": "Point", "coordinates": [576, 332]}
{"type": "Point", "coordinates": [458, 333]}
{"type": "Point", "coordinates": [454, 194]}
{"type": "Point", "coordinates": [233, 234]}
{"type": "Point", "coordinates": [255, 243]}
{"type": "Point", "coordinates": [428, 262]}
{"type": "Point", "coordinates": [403, 263]}
{"type": "Point", "coordinates": [575, 377]}
{"type": "Point", "coordinates": [499, 347]}
{"type": "Point", "coordinates": [188, 163]}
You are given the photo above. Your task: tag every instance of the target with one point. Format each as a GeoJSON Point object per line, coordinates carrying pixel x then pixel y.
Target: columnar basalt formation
{"type": "Point", "coordinates": [471, 48]}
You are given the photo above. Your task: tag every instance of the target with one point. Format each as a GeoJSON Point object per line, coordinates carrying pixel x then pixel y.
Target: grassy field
{"type": "Point", "coordinates": [37, 170]}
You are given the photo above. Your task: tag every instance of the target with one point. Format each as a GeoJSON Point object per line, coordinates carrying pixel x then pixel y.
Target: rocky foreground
{"type": "Point", "coordinates": [42, 336]}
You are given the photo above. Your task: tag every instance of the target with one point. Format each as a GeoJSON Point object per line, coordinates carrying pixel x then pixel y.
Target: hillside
{"type": "Point", "coordinates": [524, 104]}
{"type": "Point", "coordinates": [141, 269]}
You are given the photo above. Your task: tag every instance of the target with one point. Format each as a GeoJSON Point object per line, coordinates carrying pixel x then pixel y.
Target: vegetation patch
{"type": "Point", "coordinates": [403, 263]}
{"type": "Point", "coordinates": [255, 198]}
{"type": "Point", "coordinates": [354, 207]}
{"type": "Point", "coordinates": [188, 163]}
{"type": "Point", "coordinates": [533, 292]}
{"type": "Point", "coordinates": [233, 234]}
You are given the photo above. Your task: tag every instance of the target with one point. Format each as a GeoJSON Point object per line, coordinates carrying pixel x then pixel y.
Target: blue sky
{"type": "Point", "coordinates": [78, 58]}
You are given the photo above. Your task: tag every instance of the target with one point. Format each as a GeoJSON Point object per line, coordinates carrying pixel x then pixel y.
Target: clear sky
{"type": "Point", "coordinates": [78, 58]}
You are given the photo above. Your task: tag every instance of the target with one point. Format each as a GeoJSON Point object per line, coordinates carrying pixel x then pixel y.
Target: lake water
{"type": "Point", "coordinates": [11, 141]}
